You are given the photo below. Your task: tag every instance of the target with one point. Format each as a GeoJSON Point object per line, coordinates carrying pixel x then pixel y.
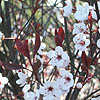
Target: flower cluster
{"type": "Point", "coordinates": [24, 81]}
{"type": "Point", "coordinates": [62, 79]}
{"type": "Point", "coordinates": [53, 90]}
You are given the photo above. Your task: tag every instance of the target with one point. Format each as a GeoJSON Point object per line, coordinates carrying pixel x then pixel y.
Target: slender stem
{"type": "Point", "coordinates": [91, 94]}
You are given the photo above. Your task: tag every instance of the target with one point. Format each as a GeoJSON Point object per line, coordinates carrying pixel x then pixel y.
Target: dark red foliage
{"type": "Point", "coordinates": [36, 66]}
{"type": "Point", "coordinates": [59, 36]}
{"type": "Point", "coordinates": [22, 47]}
{"type": "Point", "coordinates": [10, 66]}
{"type": "Point", "coordinates": [38, 28]}
{"type": "Point", "coordinates": [86, 62]}
{"type": "Point", "coordinates": [37, 44]}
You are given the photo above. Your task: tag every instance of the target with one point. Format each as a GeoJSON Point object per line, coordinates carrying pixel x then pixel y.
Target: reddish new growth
{"type": "Point", "coordinates": [50, 88]}
{"type": "Point", "coordinates": [0, 82]}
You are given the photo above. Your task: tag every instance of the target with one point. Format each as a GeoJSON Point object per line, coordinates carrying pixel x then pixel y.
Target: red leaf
{"type": "Point", "coordinates": [86, 62]}
{"type": "Point", "coordinates": [61, 33]}
{"type": "Point", "coordinates": [37, 44]}
{"type": "Point", "coordinates": [58, 40]}
{"type": "Point", "coordinates": [26, 47]}
{"type": "Point", "coordinates": [59, 36]}
{"type": "Point", "coordinates": [36, 66]}
{"type": "Point", "coordinates": [11, 66]}
{"type": "Point", "coordinates": [22, 47]}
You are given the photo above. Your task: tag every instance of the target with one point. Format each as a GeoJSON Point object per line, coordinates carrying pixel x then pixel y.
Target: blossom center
{"type": "Point", "coordinates": [59, 57]}
{"type": "Point", "coordinates": [68, 79]}
{"type": "Point", "coordinates": [50, 88]}
{"type": "Point", "coordinates": [82, 43]}
{"type": "Point", "coordinates": [81, 30]}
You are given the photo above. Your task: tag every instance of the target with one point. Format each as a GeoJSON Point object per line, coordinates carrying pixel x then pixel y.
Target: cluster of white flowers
{"type": "Point", "coordinates": [80, 40]}
{"type": "Point", "coordinates": [50, 90]}
{"type": "Point", "coordinates": [81, 15]}
{"type": "Point", "coordinates": [53, 90]}
{"type": "Point", "coordinates": [23, 81]}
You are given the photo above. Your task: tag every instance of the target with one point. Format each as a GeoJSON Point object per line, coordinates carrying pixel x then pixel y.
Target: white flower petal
{"type": "Point", "coordinates": [82, 13]}
{"type": "Point", "coordinates": [1, 86]}
{"type": "Point", "coordinates": [40, 52]}
{"type": "Point", "coordinates": [67, 9]}
{"type": "Point", "coordinates": [59, 50]}
{"type": "Point", "coordinates": [65, 56]}
{"type": "Point", "coordinates": [57, 92]}
{"type": "Point", "coordinates": [59, 63]}
{"type": "Point", "coordinates": [1, 34]}
{"type": "Point", "coordinates": [43, 45]}
{"type": "Point", "coordinates": [4, 80]}
{"type": "Point", "coordinates": [98, 43]}
{"type": "Point", "coordinates": [26, 88]}
{"type": "Point", "coordinates": [94, 15]}
{"type": "Point", "coordinates": [22, 75]}
{"type": "Point", "coordinates": [51, 54]}
{"type": "Point", "coordinates": [87, 42]}
{"type": "Point", "coordinates": [19, 81]}
{"type": "Point", "coordinates": [29, 96]}
{"type": "Point", "coordinates": [0, 20]}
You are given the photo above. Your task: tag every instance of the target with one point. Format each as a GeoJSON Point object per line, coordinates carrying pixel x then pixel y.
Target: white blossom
{"type": "Point", "coordinates": [50, 89]}
{"type": "Point", "coordinates": [26, 88]}
{"type": "Point", "coordinates": [22, 79]}
{"type": "Point", "coordinates": [67, 9]}
{"type": "Point", "coordinates": [58, 57]}
{"type": "Point", "coordinates": [79, 85]}
{"type": "Point", "coordinates": [99, 25]}
{"type": "Point", "coordinates": [66, 81]}
{"type": "Point", "coordinates": [0, 20]}
{"type": "Point", "coordinates": [98, 43]}
{"type": "Point", "coordinates": [3, 81]}
{"type": "Point", "coordinates": [81, 42]}
{"type": "Point", "coordinates": [42, 46]}
{"type": "Point", "coordinates": [79, 28]}
{"type": "Point", "coordinates": [30, 96]}
{"type": "Point", "coordinates": [92, 10]}
{"type": "Point", "coordinates": [1, 35]}
{"type": "Point", "coordinates": [94, 15]}
{"type": "Point", "coordinates": [82, 13]}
